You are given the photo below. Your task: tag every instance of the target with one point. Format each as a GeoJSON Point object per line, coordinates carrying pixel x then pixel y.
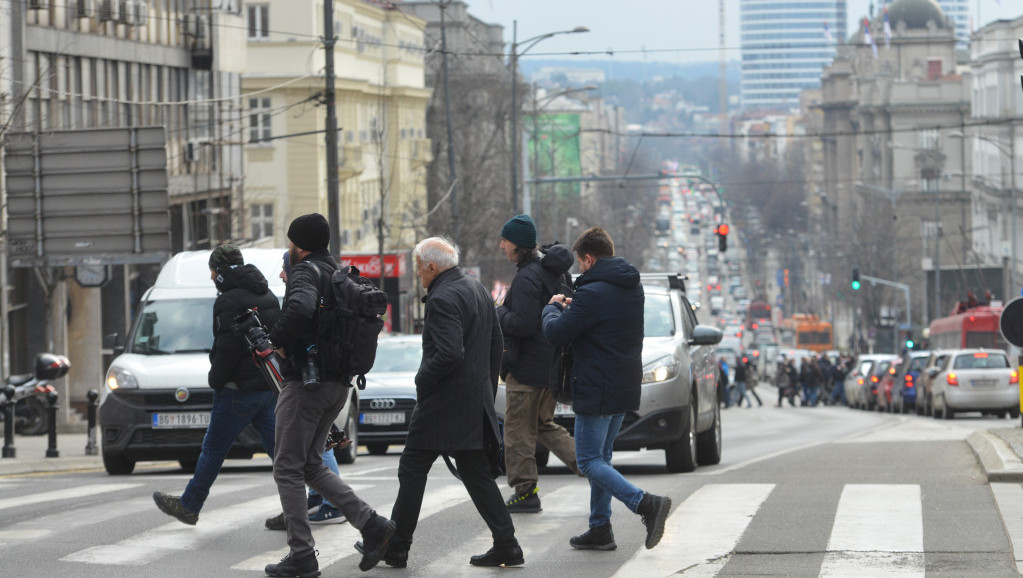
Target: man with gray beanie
{"type": "Point", "coordinates": [529, 413]}
{"type": "Point", "coordinates": [306, 410]}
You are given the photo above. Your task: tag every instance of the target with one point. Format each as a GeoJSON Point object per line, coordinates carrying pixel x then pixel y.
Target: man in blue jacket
{"type": "Point", "coordinates": [603, 322]}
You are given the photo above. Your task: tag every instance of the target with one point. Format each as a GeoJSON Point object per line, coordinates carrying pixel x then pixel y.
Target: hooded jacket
{"type": "Point", "coordinates": [604, 326]}
{"type": "Point", "coordinates": [241, 288]}
{"type": "Point", "coordinates": [529, 354]}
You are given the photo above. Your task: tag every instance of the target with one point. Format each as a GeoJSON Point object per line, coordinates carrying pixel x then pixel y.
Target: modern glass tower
{"type": "Point", "coordinates": [958, 11]}
{"type": "Point", "coordinates": [785, 46]}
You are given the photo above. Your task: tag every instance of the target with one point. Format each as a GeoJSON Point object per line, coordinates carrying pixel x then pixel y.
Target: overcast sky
{"type": "Point", "coordinates": [671, 30]}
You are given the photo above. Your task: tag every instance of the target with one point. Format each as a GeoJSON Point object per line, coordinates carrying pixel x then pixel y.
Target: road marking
{"type": "Point", "coordinates": [1009, 498]}
{"type": "Point", "coordinates": [360, 473]}
{"type": "Point", "coordinates": [701, 533]}
{"type": "Point", "coordinates": [878, 531]}
{"type": "Point", "coordinates": [77, 493]}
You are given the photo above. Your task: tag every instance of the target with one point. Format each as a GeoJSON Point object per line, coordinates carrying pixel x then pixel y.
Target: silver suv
{"type": "Point", "coordinates": [678, 410]}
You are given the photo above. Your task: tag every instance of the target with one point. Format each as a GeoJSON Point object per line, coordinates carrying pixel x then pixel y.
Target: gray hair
{"type": "Point", "coordinates": [437, 250]}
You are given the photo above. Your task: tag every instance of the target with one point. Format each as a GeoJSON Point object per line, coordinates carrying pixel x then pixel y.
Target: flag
{"type": "Point", "coordinates": [867, 38]}
{"type": "Point", "coordinates": [827, 34]}
{"type": "Point", "coordinates": [887, 29]}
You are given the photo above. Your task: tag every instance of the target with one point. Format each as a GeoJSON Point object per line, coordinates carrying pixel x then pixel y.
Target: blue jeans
{"type": "Point", "coordinates": [740, 394]}
{"type": "Point", "coordinates": [232, 411]}
{"type": "Point", "coordinates": [594, 440]}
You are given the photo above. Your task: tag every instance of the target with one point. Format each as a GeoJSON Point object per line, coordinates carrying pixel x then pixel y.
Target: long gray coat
{"type": "Point", "coordinates": [457, 379]}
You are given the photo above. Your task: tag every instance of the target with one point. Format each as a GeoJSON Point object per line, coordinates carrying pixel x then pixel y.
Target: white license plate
{"type": "Point", "coordinates": [984, 383]}
{"type": "Point", "coordinates": [181, 420]}
{"type": "Point", "coordinates": [382, 418]}
{"type": "Point", "coordinates": [562, 409]}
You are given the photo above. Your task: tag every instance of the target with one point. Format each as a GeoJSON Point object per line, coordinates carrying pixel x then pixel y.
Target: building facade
{"type": "Point", "coordinates": [785, 46]}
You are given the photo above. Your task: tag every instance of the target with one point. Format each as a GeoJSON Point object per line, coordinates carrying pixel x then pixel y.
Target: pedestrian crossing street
{"type": "Point", "coordinates": [877, 529]}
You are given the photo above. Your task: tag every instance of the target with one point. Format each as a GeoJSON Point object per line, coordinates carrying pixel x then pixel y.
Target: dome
{"type": "Point", "coordinates": [916, 13]}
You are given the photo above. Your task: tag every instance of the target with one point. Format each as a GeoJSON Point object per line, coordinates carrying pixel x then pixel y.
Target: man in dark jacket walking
{"type": "Point", "coordinates": [306, 410]}
{"type": "Point", "coordinates": [527, 362]}
{"type": "Point", "coordinates": [604, 324]}
{"type": "Point", "coordinates": [240, 394]}
{"type": "Point", "coordinates": [454, 414]}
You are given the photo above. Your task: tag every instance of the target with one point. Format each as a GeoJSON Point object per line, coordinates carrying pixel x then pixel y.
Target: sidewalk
{"type": "Point", "coordinates": [1000, 453]}
{"type": "Point", "coordinates": [30, 455]}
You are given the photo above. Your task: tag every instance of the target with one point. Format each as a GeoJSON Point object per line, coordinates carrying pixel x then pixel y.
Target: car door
{"type": "Point", "coordinates": [704, 368]}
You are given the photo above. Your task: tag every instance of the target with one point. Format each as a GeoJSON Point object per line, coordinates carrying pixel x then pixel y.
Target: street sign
{"type": "Point", "coordinates": [1011, 322]}
{"type": "Point", "coordinates": [87, 197]}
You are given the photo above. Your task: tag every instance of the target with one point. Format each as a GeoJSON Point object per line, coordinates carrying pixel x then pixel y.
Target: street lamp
{"type": "Point", "coordinates": [514, 63]}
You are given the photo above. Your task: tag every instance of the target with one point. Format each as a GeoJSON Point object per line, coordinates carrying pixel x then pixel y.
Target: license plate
{"type": "Point", "coordinates": [983, 383]}
{"type": "Point", "coordinates": [562, 409]}
{"type": "Point", "coordinates": [196, 420]}
{"type": "Point", "coordinates": [382, 418]}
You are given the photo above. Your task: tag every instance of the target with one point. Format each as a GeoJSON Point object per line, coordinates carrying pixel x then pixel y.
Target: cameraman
{"type": "Point", "coordinates": [306, 411]}
{"type": "Point", "coordinates": [240, 394]}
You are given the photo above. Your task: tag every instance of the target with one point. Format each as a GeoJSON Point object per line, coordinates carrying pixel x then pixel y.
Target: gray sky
{"type": "Point", "coordinates": [670, 30]}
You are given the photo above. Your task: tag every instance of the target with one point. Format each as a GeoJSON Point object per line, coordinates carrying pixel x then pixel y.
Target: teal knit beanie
{"type": "Point", "coordinates": [520, 230]}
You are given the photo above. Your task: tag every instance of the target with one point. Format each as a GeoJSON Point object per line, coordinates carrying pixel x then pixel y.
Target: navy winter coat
{"type": "Point", "coordinates": [604, 325]}
{"type": "Point", "coordinates": [536, 280]}
{"type": "Point", "coordinates": [241, 288]}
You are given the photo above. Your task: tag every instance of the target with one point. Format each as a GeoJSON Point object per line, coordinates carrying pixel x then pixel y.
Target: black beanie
{"type": "Point", "coordinates": [520, 230]}
{"type": "Point", "coordinates": [310, 232]}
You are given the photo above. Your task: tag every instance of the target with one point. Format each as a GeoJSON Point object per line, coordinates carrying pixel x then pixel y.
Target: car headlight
{"type": "Point", "coordinates": [662, 369]}
{"type": "Point", "coordinates": [121, 379]}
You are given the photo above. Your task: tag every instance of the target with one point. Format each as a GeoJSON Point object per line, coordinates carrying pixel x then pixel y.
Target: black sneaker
{"type": "Point", "coordinates": [654, 511]}
{"type": "Point", "coordinates": [393, 558]}
{"type": "Point", "coordinates": [276, 523]}
{"type": "Point", "coordinates": [375, 537]}
{"type": "Point", "coordinates": [172, 506]}
{"type": "Point", "coordinates": [599, 538]}
{"type": "Point", "coordinates": [499, 557]}
{"type": "Point", "coordinates": [291, 566]}
{"type": "Point", "coordinates": [527, 502]}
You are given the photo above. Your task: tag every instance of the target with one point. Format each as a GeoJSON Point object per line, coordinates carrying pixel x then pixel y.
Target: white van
{"type": "Point", "coordinates": [163, 370]}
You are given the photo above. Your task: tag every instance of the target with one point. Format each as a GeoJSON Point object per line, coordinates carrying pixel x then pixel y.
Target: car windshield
{"type": "Point", "coordinates": [917, 364]}
{"type": "Point", "coordinates": [981, 360]}
{"type": "Point", "coordinates": [398, 356]}
{"type": "Point", "coordinates": [174, 326]}
{"type": "Point", "coordinates": [658, 320]}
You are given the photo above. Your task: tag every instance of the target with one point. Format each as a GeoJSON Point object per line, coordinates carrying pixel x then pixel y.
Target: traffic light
{"type": "Point", "coordinates": [785, 277]}
{"type": "Point", "coordinates": [856, 279]}
{"type": "Point", "coordinates": [722, 231]}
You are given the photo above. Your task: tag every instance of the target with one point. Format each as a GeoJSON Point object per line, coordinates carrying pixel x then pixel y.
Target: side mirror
{"type": "Point", "coordinates": [932, 372]}
{"type": "Point", "coordinates": [706, 335]}
{"type": "Point", "coordinates": [114, 342]}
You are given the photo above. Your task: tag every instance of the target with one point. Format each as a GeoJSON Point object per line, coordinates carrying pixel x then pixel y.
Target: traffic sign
{"type": "Point", "coordinates": [1011, 322]}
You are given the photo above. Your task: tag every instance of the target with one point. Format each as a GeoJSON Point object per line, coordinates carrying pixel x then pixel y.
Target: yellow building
{"type": "Point", "coordinates": [381, 108]}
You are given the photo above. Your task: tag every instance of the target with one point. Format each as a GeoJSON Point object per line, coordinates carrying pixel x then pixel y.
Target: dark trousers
{"type": "Point", "coordinates": [474, 469]}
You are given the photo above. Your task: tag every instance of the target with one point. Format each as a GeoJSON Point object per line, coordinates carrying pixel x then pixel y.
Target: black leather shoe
{"type": "Point", "coordinates": [375, 537]}
{"type": "Point", "coordinates": [599, 538]}
{"type": "Point", "coordinates": [393, 558]}
{"type": "Point", "coordinates": [654, 510]}
{"type": "Point", "coordinates": [499, 557]}
{"type": "Point", "coordinates": [291, 566]}
{"type": "Point", "coordinates": [172, 506]}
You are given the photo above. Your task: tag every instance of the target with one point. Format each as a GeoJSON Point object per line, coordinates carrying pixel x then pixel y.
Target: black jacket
{"type": "Point", "coordinates": [457, 378]}
{"type": "Point", "coordinates": [536, 280]}
{"type": "Point", "coordinates": [297, 328]}
{"type": "Point", "coordinates": [240, 288]}
{"type": "Point", "coordinates": [604, 324]}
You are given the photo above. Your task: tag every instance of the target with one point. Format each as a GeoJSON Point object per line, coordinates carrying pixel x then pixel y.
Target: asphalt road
{"type": "Point", "coordinates": [799, 492]}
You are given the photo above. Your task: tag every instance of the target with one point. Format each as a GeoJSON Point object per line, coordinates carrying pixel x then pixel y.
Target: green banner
{"type": "Point", "coordinates": [554, 151]}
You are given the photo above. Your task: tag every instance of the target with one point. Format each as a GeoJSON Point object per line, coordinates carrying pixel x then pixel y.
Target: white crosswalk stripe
{"type": "Point", "coordinates": [70, 493]}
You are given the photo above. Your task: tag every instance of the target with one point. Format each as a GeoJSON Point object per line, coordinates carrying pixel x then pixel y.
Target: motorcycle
{"type": "Point", "coordinates": [31, 409]}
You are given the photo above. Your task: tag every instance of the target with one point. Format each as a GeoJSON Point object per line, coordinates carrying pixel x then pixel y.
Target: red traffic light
{"type": "Point", "coordinates": [722, 229]}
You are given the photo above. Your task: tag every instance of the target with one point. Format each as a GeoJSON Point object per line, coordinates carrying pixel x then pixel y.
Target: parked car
{"type": "Point", "coordinates": [883, 393]}
{"type": "Point", "coordinates": [934, 364]}
{"type": "Point", "coordinates": [863, 368]}
{"type": "Point", "coordinates": [976, 380]}
{"type": "Point", "coordinates": [678, 409]}
{"type": "Point", "coordinates": [386, 404]}
{"type": "Point", "coordinates": [905, 389]}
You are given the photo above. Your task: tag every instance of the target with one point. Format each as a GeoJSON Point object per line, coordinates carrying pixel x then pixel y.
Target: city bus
{"type": "Point", "coordinates": [974, 327]}
{"type": "Point", "coordinates": [812, 333]}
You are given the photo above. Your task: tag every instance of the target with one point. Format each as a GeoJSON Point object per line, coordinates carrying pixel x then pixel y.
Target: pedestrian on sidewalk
{"type": "Point", "coordinates": [603, 322]}
{"type": "Point", "coordinates": [527, 360]}
{"type": "Point", "coordinates": [240, 394]}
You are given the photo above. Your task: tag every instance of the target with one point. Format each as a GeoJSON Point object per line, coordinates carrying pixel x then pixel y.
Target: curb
{"type": "Point", "coordinates": [1000, 462]}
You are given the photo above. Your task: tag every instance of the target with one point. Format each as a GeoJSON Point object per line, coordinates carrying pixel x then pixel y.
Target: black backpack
{"type": "Point", "coordinates": [349, 324]}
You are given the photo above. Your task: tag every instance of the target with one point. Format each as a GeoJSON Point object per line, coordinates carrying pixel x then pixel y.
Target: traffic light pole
{"type": "Point", "coordinates": [905, 291]}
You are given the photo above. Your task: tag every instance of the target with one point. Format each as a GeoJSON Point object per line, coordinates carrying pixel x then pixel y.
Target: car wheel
{"type": "Point", "coordinates": [542, 456]}
{"type": "Point", "coordinates": [680, 455]}
{"type": "Point", "coordinates": [377, 448]}
{"type": "Point", "coordinates": [947, 412]}
{"type": "Point", "coordinates": [117, 465]}
{"type": "Point", "coordinates": [347, 455]}
{"type": "Point", "coordinates": [708, 443]}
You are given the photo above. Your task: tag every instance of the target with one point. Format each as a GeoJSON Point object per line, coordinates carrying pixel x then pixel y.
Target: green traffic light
{"type": "Point", "coordinates": [856, 285]}
{"type": "Point", "coordinates": [909, 344]}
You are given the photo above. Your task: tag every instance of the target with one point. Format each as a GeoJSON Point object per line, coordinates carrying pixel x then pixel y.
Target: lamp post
{"type": "Point", "coordinates": [514, 63]}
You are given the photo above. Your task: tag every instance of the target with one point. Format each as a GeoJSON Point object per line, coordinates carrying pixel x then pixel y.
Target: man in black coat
{"type": "Point", "coordinates": [305, 411]}
{"type": "Point", "coordinates": [240, 394]}
{"type": "Point", "coordinates": [454, 414]}
{"type": "Point", "coordinates": [604, 324]}
{"type": "Point", "coordinates": [529, 414]}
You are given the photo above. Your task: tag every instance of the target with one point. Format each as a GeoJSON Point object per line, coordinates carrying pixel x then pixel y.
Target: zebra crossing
{"type": "Point", "coordinates": [877, 529]}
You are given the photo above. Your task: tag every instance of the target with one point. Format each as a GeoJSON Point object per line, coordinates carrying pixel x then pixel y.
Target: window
{"type": "Point", "coordinates": [259, 119]}
{"type": "Point", "coordinates": [259, 21]}
{"type": "Point", "coordinates": [261, 220]}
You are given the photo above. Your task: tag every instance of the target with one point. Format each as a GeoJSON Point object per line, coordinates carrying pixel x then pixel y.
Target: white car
{"type": "Point", "coordinates": [975, 380]}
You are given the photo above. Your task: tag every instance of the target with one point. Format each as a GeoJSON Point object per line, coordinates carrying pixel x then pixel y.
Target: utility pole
{"type": "Point", "coordinates": [722, 69]}
{"type": "Point", "coordinates": [452, 175]}
{"type": "Point", "coordinates": [333, 209]}
{"type": "Point", "coordinates": [514, 64]}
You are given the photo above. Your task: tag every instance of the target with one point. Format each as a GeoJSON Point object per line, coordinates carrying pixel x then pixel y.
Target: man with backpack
{"type": "Point", "coordinates": [527, 360]}
{"type": "Point", "coordinates": [308, 405]}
